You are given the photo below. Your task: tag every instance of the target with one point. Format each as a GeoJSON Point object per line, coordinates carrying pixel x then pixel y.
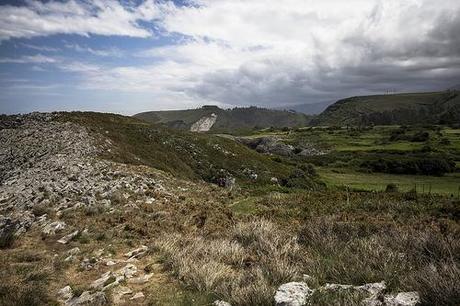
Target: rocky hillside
{"type": "Point", "coordinates": [413, 108]}
{"type": "Point", "coordinates": [229, 120]}
{"type": "Point", "coordinates": [101, 209]}
{"type": "Point", "coordinates": [53, 181]}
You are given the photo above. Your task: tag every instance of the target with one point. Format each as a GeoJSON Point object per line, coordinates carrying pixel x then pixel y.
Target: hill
{"type": "Point", "coordinates": [308, 109]}
{"type": "Point", "coordinates": [102, 209]}
{"type": "Point", "coordinates": [409, 108]}
{"type": "Point", "coordinates": [225, 120]}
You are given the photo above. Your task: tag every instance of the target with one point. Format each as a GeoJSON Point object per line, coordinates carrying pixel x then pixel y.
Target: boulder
{"type": "Point", "coordinates": [66, 239]}
{"type": "Point", "coordinates": [293, 294]}
{"type": "Point", "coordinates": [402, 299]}
{"type": "Point", "coordinates": [53, 227]}
{"type": "Point", "coordinates": [74, 251]}
{"type": "Point", "coordinates": [87, 298]}
{"type": "Point", "coordinates": [141, 279]}
{"type": "Point", "coordinates": [137, 296]}
{"type": "Point", "coordinates": [103, 281]}
{"type": "Point", "coordinates": [65, 294]}
{"type": "Point", "coordinates": [221, 303]}
{"type": "Point", "coordinates": [119, 292]}
{"type": "Point", "coordinates": [127, 271]}
{"type": "Point", "coordinates": [139, 252]}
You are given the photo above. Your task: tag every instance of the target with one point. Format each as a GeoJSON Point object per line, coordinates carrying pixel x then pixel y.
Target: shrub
{"type": "Point", "coordinates": [7, 238]}
{"type": "Point", "coordinates": [391, 188]}
{"type": "Point", "coordinates": [421, 136]}
{"type": "Point", "coordinates": [409, 165]}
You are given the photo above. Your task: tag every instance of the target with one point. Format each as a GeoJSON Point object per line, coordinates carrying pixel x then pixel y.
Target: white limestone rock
{"type": "Point", "coordinates": [293, 294]}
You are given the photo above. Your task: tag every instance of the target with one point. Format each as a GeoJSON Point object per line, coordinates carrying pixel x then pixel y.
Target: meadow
{"type": "Point", "coordinates": [346, 149]}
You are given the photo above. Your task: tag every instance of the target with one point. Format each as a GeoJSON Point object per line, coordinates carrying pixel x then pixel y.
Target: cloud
{"type": "Point", "coordinates": [255, 52]}
{"type": "Point", "coordinates": [300, 51]}
{"type": "Point", "coordinates": [292, 51]}
{"type": "Point", "coordinates": [40, 48]}
{"type": "Point", "coordinates": [111, 52]}
{"type": "Point", "coordinates": [30, 59]}
{"type": "Point", "coordinates": [101, 17]}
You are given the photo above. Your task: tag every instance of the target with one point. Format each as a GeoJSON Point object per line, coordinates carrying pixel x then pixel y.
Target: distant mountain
{"type": "Point", "coordinates": [309, 109]}
{"type": "Point", "coordinates": [409, 108]}
{"type": "Point", "coordinates": [216, 119]}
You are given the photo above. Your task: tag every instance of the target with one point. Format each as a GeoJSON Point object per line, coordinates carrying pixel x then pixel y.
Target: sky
{"type": "Point", "coordinates": [139, 55]}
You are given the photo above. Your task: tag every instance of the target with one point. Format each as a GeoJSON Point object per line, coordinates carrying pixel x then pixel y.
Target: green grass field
{"type": "Point", "coordinates": [447, 185]}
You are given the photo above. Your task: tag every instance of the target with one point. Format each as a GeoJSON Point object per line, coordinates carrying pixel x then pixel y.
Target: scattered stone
{"type": "Point", "coordinates": [221, 303]}
{"type": "Point", "coordinates": [99, 253]}
{"type": "Point", "coordinates": [88, 264]}
{"type": "Point", "coordinates": [87, 298]}
{"type": "Point", "coordinates": [104, 280]}
{"type": "Point", "coordinates": [293, 294]}
{"type": "Point", "coordinates": [65, 294]}
{"type": "Point", "coordinates": [66, 239]}
{"type": "Point", "coordinates": [127, 271]}
{"type": "Point", "coordinates": [119, 292]}
{"type": "Point", "coordinates": [74, 251]}
{"type": "Point", "coordinates": [137, 253]}
{"type": "Point", "coordinates": [402, 299]}
{"type": "Point", "coordinates": [53, 227]}
{"type": "Point", "coordinates": [137, 296]}
{"type": "Point", "coordinates": [141, 279]}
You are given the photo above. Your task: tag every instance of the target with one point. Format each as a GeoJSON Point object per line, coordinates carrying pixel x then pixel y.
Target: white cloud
{"type": "Point", "coordinates": [30, 59]}
{"type": "Point", "coordinates": [258, 51]}
{"type": "Point", "coordinates": [295, 51]}
{"type": "Point", "coordinates": [110, 52]}
{"type": "Point", "coordinates": [40, 48]}
{"type": "Point", "coordinates": [102, 17]}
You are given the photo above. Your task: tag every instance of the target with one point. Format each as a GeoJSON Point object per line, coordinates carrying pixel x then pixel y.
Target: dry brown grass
{"type": "Point", "coordinates": [245, 267]}
{"type": "Point", "coordinates": [404, 243]}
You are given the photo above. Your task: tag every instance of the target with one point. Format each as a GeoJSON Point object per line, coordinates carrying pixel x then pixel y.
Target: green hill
{"type": "Point", "coordinates": [184, 154]}
{"type": "Point", "coordinates": [409, 108]}
{"type": "Point", "coordinates": [228, 120]}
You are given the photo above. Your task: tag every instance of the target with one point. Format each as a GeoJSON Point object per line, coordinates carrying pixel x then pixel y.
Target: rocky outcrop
{"type": "Point", "coordinates": [87, 298]}
{"type": "Point", "coordinates": [293, 294]}
{"type": "Point", "coordinates": [204, 124]}
{"type": "Point", "coordinates": [273, 145]}
{"type": "Point", "coordinates": [298, 294]}
{"type": "Point", "coordinates": [48, 164]}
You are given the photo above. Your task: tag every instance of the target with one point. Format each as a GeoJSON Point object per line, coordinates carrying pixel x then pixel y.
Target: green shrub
{"type": "Point", "coordinates": [391, 188]}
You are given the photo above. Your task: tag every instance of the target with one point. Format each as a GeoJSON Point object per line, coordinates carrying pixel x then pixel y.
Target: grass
{"type": "Point", "coordinates": [448, 184]}
{"type": "Point", "coordinates": [244, 268]}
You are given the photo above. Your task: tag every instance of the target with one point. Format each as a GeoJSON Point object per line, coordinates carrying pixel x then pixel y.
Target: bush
{"type": "Point", "coordinates": [392, 188]}
{"type": "Point", "coordinates": [7, 239]}
{"type": "Point", "coordinates": [421, 136]}
{"type": "Point", "coordinates": [409, 165]}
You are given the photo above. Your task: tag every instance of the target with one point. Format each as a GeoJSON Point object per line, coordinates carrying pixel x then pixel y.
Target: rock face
{"type": "Point", "coordinates": [204, 124]}
{"type": "Point", "coordinates": [293, 294]}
